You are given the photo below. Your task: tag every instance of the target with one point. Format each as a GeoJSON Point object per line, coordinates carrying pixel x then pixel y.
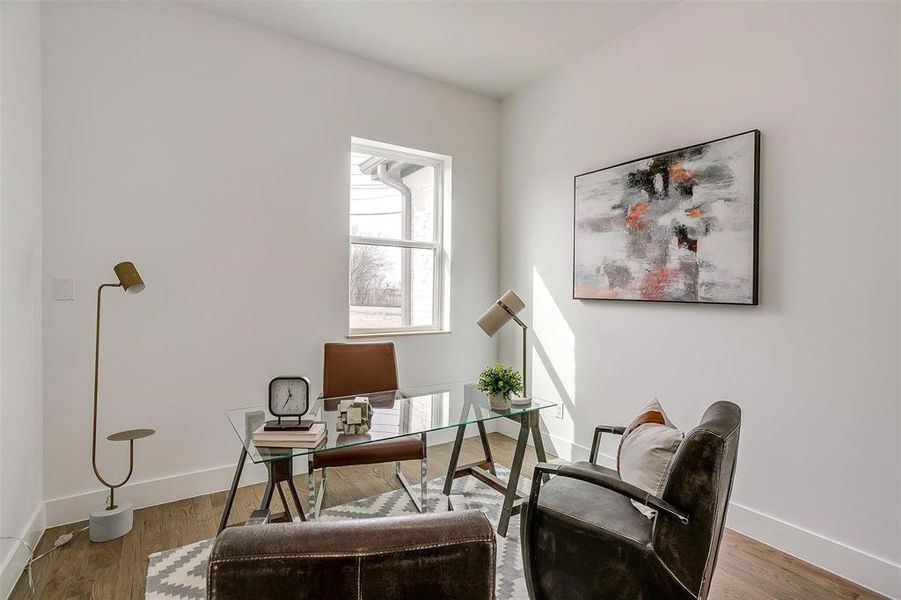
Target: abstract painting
{"type": "Point", "coordinates": [680, 226]}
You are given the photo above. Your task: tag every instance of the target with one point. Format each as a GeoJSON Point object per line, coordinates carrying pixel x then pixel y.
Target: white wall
{"type": "Point", "coordinates": [814, 367]}
{"type": "Point", "coordinates": [215, 156]}
{"type": "Point", "coordinates": [21, 489]}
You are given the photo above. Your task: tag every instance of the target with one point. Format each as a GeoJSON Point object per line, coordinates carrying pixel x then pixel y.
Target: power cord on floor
{"type": "Point", "coordinates": [58, 543]}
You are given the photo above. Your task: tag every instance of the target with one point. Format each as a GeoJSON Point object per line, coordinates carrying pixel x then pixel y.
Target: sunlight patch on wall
{"type": "Point", "coordinates": [553, 355]}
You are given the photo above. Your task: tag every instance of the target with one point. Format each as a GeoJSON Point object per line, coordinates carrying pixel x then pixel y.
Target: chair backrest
{"type": "Point", "coordinates": [700, 483]}
{"type": "Point", "coordinates": [351, 369]}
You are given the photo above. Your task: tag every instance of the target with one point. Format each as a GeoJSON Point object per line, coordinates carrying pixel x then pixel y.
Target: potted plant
{"type": "Point", "coordinates": [499, 382]}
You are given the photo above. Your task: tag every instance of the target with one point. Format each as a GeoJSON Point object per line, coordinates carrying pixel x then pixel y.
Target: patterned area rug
{"type": "Point", "coordinates": [181, 573]}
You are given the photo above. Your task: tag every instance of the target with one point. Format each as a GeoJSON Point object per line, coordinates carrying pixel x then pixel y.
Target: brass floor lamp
{"type": "Point", "coordinates": [115, 520]}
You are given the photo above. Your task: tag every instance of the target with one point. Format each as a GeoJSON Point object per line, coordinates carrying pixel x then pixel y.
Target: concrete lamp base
{"type": "Point", "coordinates": [106, 525]}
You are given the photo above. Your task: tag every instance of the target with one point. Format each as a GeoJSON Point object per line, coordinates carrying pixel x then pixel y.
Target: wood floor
{"type": "Point", "coordinates": [747, 569]}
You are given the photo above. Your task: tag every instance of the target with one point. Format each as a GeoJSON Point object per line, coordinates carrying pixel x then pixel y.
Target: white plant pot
{"type": "Point", "coordinates": [499, 401]}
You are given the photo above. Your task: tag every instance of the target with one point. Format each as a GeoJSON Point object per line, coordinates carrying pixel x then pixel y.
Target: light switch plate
{"type": "Point", "coordinates": [64, 288]}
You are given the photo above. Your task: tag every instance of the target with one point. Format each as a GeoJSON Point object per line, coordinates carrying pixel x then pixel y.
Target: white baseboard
{"type": "Point", "coordinates": [856, 565]}
{"type": "Point", "coordinates": [17, 557]}
{"type": "Point", "coordinates": [151, 492]}
{"type": "Point", "coordinates": [859, 566]}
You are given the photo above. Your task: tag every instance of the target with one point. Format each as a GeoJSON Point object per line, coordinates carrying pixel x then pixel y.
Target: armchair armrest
{"type": "Point", "coordinates": [596, 440]}
{"type": "Point", "coordinates": [439, 556]}
{"type": "Point", "coordinates": [617, 429]}
{"type": "Point", "coordinates": [611, 483]}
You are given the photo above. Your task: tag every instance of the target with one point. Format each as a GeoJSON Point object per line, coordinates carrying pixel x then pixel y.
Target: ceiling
{"type": "Point", "coordinates": [490, 47]}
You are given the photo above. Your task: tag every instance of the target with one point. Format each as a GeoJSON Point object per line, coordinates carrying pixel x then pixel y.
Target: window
{"type": "Point", "coordinates": [399, 201]}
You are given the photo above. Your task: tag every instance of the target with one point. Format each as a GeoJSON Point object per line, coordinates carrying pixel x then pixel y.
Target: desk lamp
{"type": "Point", "coordinates": [499, 314]}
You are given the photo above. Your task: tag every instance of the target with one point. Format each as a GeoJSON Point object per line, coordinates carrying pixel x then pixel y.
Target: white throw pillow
{"type": "Point", "coordinates": [646, 452]}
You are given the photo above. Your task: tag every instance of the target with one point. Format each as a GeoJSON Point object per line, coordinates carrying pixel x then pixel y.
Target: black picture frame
{"type": "Point", "coordinates": [756, 227]}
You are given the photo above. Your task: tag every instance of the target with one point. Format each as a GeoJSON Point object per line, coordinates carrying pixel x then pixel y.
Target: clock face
{"type": "Point", "coordinates": [289, 396]}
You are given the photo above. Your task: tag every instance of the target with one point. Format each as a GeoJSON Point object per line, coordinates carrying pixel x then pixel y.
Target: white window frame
{"type": "Point", "coordinates": [440, 246]}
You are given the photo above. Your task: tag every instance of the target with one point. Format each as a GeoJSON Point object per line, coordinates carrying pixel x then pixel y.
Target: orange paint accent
{"type": "Point", "coordinates": [654, 284]}
{"type": "Point", "coordinates": [635, 219]}
{"type": "Point", "coordinates": [679, 174]}
{"type": "Point", "coordinates": [694, 212]}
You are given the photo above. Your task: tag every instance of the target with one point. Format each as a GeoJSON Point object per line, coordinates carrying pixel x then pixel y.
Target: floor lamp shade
{"type": "Point", "coordinates": [500, 312]}
{"type": "Point", "coordinates": [129, 278]}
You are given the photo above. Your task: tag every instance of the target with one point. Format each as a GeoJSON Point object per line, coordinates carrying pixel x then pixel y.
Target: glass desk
{"type": "Point", "coordinates": [408, 411]}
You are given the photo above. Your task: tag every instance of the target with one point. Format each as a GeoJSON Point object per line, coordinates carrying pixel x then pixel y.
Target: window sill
{"type": "Point", "coordinates": [399, 333]}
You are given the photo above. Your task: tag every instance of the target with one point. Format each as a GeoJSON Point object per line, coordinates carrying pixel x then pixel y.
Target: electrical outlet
{"type": "Point", "coordinates": [64, 288]}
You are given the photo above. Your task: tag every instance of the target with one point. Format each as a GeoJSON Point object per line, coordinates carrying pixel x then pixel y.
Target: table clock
{"type": "Point", "coordinates": [289, 400]}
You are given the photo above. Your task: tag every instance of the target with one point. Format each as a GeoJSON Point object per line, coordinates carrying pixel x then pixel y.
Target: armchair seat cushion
{"type": "Point", "coordinates": [405, 448]}
{"type": "Point", "coordinates": [598, 544]}
{"type": "Point", "coordinates": [585, 505]}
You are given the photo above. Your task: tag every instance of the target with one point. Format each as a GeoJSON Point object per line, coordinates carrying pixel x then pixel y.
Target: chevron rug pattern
{"type": "Point", "coordinates": [180, 573]}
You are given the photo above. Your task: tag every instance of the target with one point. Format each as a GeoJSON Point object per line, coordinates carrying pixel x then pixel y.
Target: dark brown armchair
{"type": "Point", "coordinates": [371, 370]}
{"type": "Point", "coordinates": [443, 556]}
{"type": "Point", "coordinates": [582, 538]}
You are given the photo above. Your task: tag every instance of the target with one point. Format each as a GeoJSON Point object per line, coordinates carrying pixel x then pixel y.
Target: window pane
{"type": "Point", "coordinates": [422, 187]}
{"type": "Point", "coordinates": [391, 287]}
{"type": "Point", "coordinates": [375, 287]}
{"type": "Point", "coordinates": [376, 210]}
{"type": "Point", "coordinates": [422, 283]}
{"type": "Point", "coordinates": [391, 198]}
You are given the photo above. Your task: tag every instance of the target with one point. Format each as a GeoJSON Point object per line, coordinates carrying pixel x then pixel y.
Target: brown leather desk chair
{"type": "Point", "coordinates": [365, 369]}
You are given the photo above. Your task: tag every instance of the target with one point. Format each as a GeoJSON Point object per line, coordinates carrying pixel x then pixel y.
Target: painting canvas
{"type": "Point", "coordinates": [680, 226]}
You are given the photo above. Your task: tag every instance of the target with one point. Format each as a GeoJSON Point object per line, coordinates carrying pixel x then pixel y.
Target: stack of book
{"type": "Point", "coordinates": [310, 438]}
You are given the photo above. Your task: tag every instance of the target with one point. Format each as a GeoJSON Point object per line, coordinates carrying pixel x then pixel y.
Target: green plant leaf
{"type": "Point", "coordinates": [500, 379]}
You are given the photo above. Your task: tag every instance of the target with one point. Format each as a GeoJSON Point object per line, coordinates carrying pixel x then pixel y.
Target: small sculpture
{"type": "Point", "coordinates": [354, 416]}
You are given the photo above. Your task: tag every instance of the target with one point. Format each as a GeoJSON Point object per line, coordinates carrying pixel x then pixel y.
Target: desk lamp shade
{"type": "Point", "coordinates": [496, 316]}
{"type": "Point", "coordinates": [129, 279]}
